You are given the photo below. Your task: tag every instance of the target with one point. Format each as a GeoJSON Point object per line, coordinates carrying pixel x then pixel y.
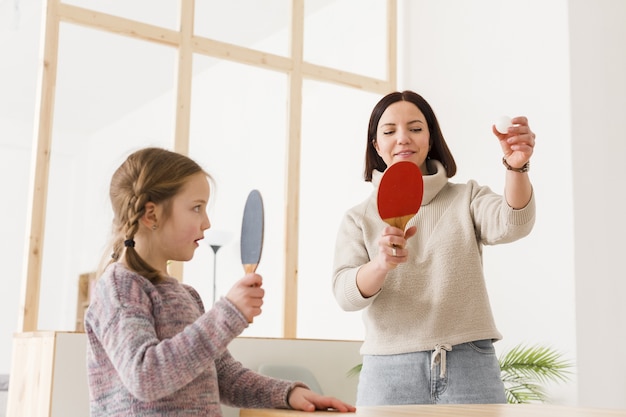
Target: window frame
{"type": "Point", "coordinates": [187, 44]}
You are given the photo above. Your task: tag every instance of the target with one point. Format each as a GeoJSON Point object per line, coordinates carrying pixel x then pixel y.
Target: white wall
{"type": "Point", "coordinates": [561, 64]}
{"type": "Point", "coordinates": [598, 104]}
{"type": "Point", "coordinates": [19, 42]}
{"type": "Point", "coordinates": [474, 61]}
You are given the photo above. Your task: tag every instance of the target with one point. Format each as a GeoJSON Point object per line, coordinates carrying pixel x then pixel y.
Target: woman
{"type": "Point", "coordinates": [429, 328]}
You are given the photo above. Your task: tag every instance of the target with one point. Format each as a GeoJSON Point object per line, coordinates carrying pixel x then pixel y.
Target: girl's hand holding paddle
{"type": "Point", "coordinates": [247, 295]}
{"type": "Point", "coordinates": [248, 290]}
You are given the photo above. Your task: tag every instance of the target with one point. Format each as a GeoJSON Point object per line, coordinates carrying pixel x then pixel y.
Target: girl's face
{"type": "Point", "coordinates": [403, 135]}
{"type": "Point", "coordinates": [178, 236]}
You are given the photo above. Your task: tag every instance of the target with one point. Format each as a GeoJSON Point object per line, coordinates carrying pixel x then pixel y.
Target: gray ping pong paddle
{"type": "Point", "coordinates": [252, 232]}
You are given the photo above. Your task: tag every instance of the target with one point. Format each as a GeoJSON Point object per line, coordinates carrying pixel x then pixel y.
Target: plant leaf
{"type": "Point", "coordinates": [355, 370]}
{"type": "Point", "coordinates": [524, 369]}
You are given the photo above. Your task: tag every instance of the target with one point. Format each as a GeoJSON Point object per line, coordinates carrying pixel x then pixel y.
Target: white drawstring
{"type": "Point", "coordinates": [439, 356]}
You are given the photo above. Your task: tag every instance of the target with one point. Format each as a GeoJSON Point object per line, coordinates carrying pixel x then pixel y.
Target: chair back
{"type": "Point", "coordinates": [292, 373]}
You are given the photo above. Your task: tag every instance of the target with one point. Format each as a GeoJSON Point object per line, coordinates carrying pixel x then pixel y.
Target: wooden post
{"type": "Point", "coordinates": [40, 167]}
{"type": "Point", "coordinates": [183, 96]}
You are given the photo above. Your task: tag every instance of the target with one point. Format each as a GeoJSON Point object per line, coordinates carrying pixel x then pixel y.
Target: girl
{"type": "Point", "coordinates": [152, 349]}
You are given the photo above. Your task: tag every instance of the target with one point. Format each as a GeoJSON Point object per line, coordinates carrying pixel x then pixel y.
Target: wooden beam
{"type": "Point", "coordinates": [240, 54]}
{"type": "Point", "coordinates": [184, 73]}
{"type": "Point", "coordinates": [392, 45]}
{"type": "Point", "coordinates": [292, 191]}
{"type": "Point", "coordinates": [40, 169]}
{"type": "Point", "coordinates": [119, 25]}
{"type": "Point", "coordinates": [183, 78]}
{"type": "Point", "coordinates": [344, 78]}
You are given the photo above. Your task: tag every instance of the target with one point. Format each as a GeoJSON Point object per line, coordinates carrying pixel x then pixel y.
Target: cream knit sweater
{"type": "Point", "coordinates": [439, 296]}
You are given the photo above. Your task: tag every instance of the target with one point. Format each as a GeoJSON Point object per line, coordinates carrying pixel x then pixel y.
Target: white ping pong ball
{"type": "Point", "coordinates": [503, 123]}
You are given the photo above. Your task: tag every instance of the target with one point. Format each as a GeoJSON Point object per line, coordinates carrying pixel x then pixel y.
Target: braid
{"type": "Point", "coordinates": [135, 211]}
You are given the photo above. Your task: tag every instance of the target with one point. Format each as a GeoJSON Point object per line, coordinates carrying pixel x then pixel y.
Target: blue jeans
{"type": "Point", "coordinates": [471, 376]}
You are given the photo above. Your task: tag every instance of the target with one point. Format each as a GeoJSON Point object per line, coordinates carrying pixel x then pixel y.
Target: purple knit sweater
{"type": "Point", "coordinates": [153, 351]}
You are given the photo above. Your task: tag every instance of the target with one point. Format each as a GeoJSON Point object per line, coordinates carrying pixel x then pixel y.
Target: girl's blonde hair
{"type": "Point", "coordinates": [147, 175]}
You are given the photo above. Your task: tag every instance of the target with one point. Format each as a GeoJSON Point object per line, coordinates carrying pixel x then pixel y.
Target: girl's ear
{"type": "Point", "coordinates": [149, 217]}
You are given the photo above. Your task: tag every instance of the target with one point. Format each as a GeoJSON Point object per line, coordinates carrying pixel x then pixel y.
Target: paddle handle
{"type": "Point", "coordinates": [250, 269]}
{"type": "Point", "coordinates": [399, 222]}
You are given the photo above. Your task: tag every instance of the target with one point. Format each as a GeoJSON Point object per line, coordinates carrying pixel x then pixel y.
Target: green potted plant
{"type": "Point", "coordinates": [524, 371]}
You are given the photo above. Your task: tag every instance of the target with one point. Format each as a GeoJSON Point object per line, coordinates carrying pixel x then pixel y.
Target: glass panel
{"type": "Point", "coordinates": [334, 131]}
{"type": "Point", "coordinates": [350, 35]}
{"type": "Point", "coordinates": [260, 25]}
{"type": "Point", "coordinates": [113, 95]}
{"type": "Point", "coordinates": [159, 13]}
{"type": "Point", "coordinates": [238, 134]}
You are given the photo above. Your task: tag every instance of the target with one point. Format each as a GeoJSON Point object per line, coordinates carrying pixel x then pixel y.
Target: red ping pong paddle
{"type": "Point", "coordinates": [400, 193]}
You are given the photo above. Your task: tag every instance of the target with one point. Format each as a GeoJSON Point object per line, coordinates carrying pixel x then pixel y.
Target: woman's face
{"type": "Point", "coordinates": [402, 135]}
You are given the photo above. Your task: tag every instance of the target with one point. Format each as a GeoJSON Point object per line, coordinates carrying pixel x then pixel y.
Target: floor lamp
{"type": "Point", "coordinates": [215, 248]}
{"type": "Point", "coordinates": [216, 239]}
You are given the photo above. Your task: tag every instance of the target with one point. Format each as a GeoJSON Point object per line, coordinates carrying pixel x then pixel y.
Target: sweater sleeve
{"type": "Point", "coordinates": [495, 221]}
{"type": "Point", "coordinates": [244, 388]}
{"type": "Point", "coordinates": [351, 253]}
{"type": "Point", "coordinates": [151, 366]}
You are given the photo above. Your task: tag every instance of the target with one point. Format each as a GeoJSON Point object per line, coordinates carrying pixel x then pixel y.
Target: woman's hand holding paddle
{"type": "Point", "coordinates": [399, 198]}
{"type": "Point", "coordinates": [392, 249]}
